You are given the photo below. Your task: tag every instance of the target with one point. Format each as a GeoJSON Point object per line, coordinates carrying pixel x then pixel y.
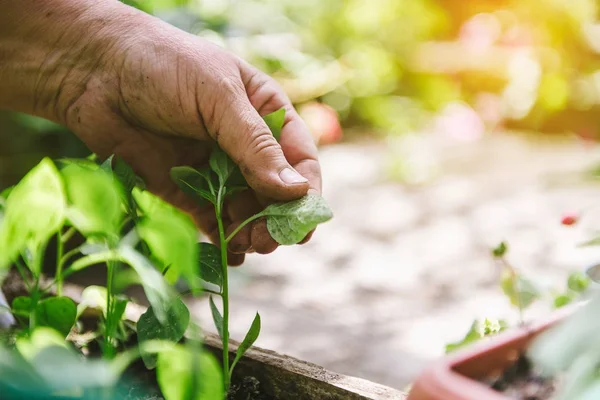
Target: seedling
{"type": "Point", "coordinates": [123, 225]}
{"type": "Point", "coordinates": [521, 293]}
{"type": "Point", "coordinates": [288, 223]}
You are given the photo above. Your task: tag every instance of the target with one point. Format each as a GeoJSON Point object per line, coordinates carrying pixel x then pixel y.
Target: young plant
{"type": "Point", "coordinates": [522, 293]}
{"type": "Point", "coordinates": [288, 223]}
{"type": "Point", "coordinates": [122, 225]}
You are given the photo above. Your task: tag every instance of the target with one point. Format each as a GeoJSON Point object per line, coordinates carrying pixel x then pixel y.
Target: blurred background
{"type": "Point", "coordinates": [445, 127]}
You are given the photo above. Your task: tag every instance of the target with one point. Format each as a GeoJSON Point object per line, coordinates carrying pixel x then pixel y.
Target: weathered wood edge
{"type": "Point", "coordinates": [281, 376]}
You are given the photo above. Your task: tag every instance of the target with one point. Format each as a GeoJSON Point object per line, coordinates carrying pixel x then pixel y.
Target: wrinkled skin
{"type": "Point", "coordinates": [129, 84]}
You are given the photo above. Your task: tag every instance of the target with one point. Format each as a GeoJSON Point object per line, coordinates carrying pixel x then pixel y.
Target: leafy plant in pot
{"type": "Point", "coordinates": [494, 363]}
{"type": "Point", "coordinates": [52, 350]}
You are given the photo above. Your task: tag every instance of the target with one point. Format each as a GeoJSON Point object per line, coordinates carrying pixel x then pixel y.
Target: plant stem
{"type": "Point", "coordinates": [109, 351]}
{"type": "Point", "coordinates": [59, 263]}
{"type": "Point", "coordinates": [68, 234]}
{"type": "Point", "coordinates": [239, 228]}
{"type": "Point", "coordinates": [225, 296]}
{"type": "Point", "coordinates": [515, 281]}
{"type": "Point", "coordinates": [23, 273]}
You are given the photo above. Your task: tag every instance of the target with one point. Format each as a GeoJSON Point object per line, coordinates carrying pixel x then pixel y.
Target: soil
{"type": "Point", "coordinates": [247, 389]}
{"type": "Point", "coordinates": [521, 381]}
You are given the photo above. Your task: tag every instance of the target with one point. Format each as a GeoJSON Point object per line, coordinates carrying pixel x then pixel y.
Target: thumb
{"type": "Point", "coordinates": [246, 138]}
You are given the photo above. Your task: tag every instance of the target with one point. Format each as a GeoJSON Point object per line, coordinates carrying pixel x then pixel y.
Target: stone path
{"type": "Point", "coordinates": [402, 270]}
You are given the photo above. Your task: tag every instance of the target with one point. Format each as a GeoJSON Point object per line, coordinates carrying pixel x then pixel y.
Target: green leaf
{"type": "Point", "coordinates": [35, 210]}
{"type": "Point", "coordinates": [221, 164]}
{"type": "Point", "coordinates": [248, 341]}
{"type": "Point", "coordinates": [562, 300]}
{"type": "Point", "coordinates": [6, 192]}
{"type": "Point", "coordinates": [88, 164]}
{"type": "Point", "coordinates": [170, 234]}
{"type": "Point", "coordinates": [59, 313]}
{"type": "Point", "coordinates": [275, 122]}
{"type": "Point", "coordinates": [177, 378]}
{"type": "Point", "coordinates": [478, 330]}
{"type": "Point", "coordinates": [210, 264]}
{"type": "Point", "coordinates": [578, 282]}
{"type": "Point", "coordinates": [65, 370]}
{"type": "Point", "coordinates": [40, 338]}
{"type": "Point", "coordinates": [500, 250]}
{"type": "Point", "coordinates": [195, 183]}
{"type": "Point", "coordinates": [289, 223]}
{"type": "Point", "coordinates": [126, 175]}
{"type": "Point", "coordinates": [520, 291]}
{"type": "Point", "coordinates": [22, 306]}
{"type": "Point", "coordinates": [217, 317]}
{"type": "Point", "coordinates": [173, 329]}
{"type": "Point", "coordinates": [95, 297]}
{"type": "Point", "coordinates": [94, 201]}
{"type": "Point", "coordinates": [160, 295]}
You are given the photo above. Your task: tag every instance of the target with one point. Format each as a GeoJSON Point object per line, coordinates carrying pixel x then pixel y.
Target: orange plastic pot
{"type": "Point", "coordinates": [458, 376]}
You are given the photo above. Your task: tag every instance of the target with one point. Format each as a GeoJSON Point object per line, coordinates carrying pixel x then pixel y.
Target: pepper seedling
{"type": "Point", "coordinates": [288, 223]}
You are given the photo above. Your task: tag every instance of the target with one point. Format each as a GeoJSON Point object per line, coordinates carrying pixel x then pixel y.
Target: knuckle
{"type": "Point", "coordinates": [261, 140]}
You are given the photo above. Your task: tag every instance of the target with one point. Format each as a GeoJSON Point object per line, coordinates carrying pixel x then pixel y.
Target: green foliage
{"type": "Point", "coordinates": [248, 341]}
{"type": "Point", "coordinates": [178, 377]}
{"type": "Point", "coordinates": [196, 183]}
{"type": "Point", "coordinates": [479, 330]}
{"type": "Point", "coordinates": [173, 329]}
{"type": "Point", "coordinates": [217, 318]}
{"type": "Point", "coordinates": [94, 202]}
{"type": "Point", "coordinates": [35, 210]}
{"type": "Point", "coordinates": [56, 312]}
{"type": "Point", "coordinates": [289, 223]}
{"type": "Point", "coordinates": [210, 264]}
{"type": "Point", "coordinates": [170, 234]}
{"type": "Point", "coordinates": [500, 250]}
{"type": "Point", "coordinates": [521, 291]}
{"type": "Point", "coordinates": [222, 165]}
{"type": "Point", "coordinates": [570, 349]}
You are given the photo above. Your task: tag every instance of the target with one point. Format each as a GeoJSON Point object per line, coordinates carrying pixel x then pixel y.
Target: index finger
{"type": "Point", "coordinates": [299, 148]}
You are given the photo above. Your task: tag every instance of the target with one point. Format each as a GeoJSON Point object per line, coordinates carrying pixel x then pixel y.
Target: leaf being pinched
{"type": "Point", "coordinates": [289, 223]}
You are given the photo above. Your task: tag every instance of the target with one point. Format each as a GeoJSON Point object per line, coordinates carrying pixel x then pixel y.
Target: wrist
{"type": "Point", "coordinates": [51, 50]}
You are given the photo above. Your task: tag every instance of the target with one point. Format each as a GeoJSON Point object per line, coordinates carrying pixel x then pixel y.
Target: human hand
{"type": "Point", "coordinates": [129, 84]}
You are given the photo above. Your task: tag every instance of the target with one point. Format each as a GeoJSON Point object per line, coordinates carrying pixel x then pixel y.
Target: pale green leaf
{"type": "Point", "coordinates": [35, 210]}
{"type": "Point", "coordinates": [170, 234]}
{"type": "Point", "coordinates": [94, 201]}
{"type": "Point", "coordinates": [520, 291]}
{"type": "Point", "coordinates": [289, 223]}
{"type": "Point", "coordinates": [159, 293]}
{"type": "Point", "coordinates": [179, 380]}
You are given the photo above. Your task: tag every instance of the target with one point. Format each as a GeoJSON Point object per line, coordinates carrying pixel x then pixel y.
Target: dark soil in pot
{"type": "Point", "coordinates": [521, 381]}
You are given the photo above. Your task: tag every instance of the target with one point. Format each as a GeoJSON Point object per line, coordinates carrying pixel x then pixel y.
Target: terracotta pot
{"type": "Point", "coordinates": [458, 376]}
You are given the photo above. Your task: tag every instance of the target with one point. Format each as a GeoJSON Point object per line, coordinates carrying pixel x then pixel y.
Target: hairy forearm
{"type": "Point", "coordinates": [50, 49]}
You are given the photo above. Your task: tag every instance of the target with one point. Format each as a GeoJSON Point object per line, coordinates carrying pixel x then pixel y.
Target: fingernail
{"type": "Point", "coordinates": [291, 177]}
